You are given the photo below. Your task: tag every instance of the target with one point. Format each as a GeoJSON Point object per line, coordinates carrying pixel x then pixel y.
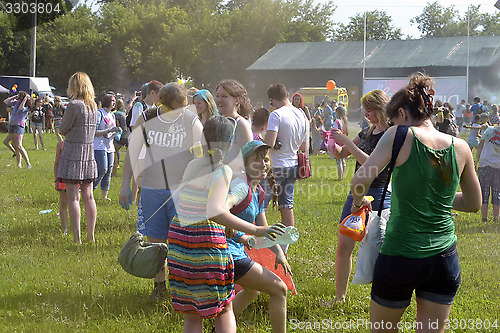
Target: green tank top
{"type": "Point", "coordinates": [423, 190]}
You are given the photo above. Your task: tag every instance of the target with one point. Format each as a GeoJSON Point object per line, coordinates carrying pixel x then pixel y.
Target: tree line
{"type": "Point", "coordinates": [127, 42]}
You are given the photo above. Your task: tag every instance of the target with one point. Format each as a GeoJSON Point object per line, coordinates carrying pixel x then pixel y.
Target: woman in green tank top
{"type": "Point", "coordinates": [419, 250]}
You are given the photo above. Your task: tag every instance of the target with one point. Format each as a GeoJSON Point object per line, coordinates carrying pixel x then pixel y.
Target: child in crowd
{"type": "Point", "coordinates": [247, 198]}
{"type": "Point", "coordinates": [61, 188]}
{"type": "Point", "coordinates": [201, 272]}
{"type": "Point", "coordinates": [480, 123]}
{"type": "Point", "coordinates": [259, 123]}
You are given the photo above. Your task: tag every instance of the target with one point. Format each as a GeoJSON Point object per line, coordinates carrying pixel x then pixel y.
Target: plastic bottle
{"type": "Point", "coordinates": [354, 225]}
{"type": "Point", "coordinates": [290, 236]}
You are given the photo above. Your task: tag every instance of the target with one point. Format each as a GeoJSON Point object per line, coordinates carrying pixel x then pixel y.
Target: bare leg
{"type": "Point", "coordinates": [388, 316]}
{"type": "Point", "coordinates": [225, 321]}
{"type": "Point", "coordinates": [90, 209]}
{"type": "Point", "coordinates": [343, 265]}
{"type": "Point", "coordinates": [63, 210]}
{"type": "Point", "coordinates": [192, 323]}
{"type": "Point", "coordinates": [6, 142]}
{"type": "Point", "coordinates": [431, 316]}
{"type": "Point", "coordinates": [104, 194]}
{"type": "Point", "coordinates": [73, 193]}
{"type": "Point", "coordinates": [484, 212]}
{"type": "Point", "coordinates": [287, 217]}
{"type": "Point", "coordinates": [496, 210]}
{"type": "Point", "coordinates": [41, 139]}
{"type": "Point", "coordinates": [33, 129]}
{"type": "Point", "coordinates": [161, 276]}
{"type": "Point", "coordinates": [17, 142]}
{"type": "Point", "coordinates": [261, 279]}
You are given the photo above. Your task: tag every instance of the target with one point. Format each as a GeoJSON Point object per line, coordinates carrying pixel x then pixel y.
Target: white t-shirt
{"type": "Point", "coordinates": [137, 111]}
{"type": "Point", "coordinates": [460, 111]}
{"type": "Point", "coordinates": [105, 120]}
{"type": "Point", "coordinates": [292, 127]}
{"type": "Point", "coordinates": [490, 155]}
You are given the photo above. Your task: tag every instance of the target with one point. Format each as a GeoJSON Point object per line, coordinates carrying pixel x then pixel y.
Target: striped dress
{"type": "Point", "coordinates": [201, 273]}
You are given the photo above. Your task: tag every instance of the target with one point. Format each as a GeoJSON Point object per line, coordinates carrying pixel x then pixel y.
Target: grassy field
{"type": "Point", "coordinates": [48, 284]}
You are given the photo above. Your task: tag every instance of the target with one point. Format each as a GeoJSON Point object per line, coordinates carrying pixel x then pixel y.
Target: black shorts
{"type": "Point", "coordinates": [241, 267]}
{"type": "Point", "coordinates": [435, 278]}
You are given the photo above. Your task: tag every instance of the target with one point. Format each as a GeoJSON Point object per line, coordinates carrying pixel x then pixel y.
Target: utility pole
{"type": "Point", "coordinates": [33, 42]}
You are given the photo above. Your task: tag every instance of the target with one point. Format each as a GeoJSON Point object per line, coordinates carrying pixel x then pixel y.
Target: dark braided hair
{"type": "Point", "coordinates": [218, 132]}
{"type": "Point", "coordinates": [416, 98]}
{"type": "Point", "coordinates": [262, 153]}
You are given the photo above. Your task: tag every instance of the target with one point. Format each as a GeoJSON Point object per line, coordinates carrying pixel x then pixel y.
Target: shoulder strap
{"type": "Point", "coordinates": [262, 194]}
{"type": "Point", "coordinates": [244, 203]}
{"type": "Point", "coordinates": [399, 139]}
{"type": "Point", "coordinates": [144, 110]}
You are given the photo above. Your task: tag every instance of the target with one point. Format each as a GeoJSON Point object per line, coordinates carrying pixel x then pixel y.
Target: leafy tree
{"type": "Point", "coordinates": [303, 21]}
{"type": "Point", "coordinates": [14, 47]}
{"type": "Point", "coordinates": [378, 27]}
{"type": "Point", "coordinates": [69, 44]}
{"type": "Point", "coordinates": [438, 21]}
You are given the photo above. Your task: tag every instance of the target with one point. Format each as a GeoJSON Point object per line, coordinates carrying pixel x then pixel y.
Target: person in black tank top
{"type": "Point", "coordinates": [360, 148]}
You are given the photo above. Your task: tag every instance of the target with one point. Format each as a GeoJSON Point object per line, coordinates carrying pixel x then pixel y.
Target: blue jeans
{"type": "Point", "coordinates": [285, 178]}
{"type": "Point", "coordinates": [104, 162]}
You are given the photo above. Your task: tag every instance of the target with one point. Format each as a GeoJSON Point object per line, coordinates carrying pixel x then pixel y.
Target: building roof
{"type": "Point", "coordinates": [427, 52]}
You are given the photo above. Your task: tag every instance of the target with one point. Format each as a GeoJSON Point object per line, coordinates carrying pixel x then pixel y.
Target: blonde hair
{"type": "Point", "coordinates": [376, 100]}
{"type": "Point", "coordinates": [80, 87]}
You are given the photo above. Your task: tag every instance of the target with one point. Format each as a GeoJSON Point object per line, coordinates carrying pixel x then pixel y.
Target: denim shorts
{"type": "Point", "coordinates": [16, 129]}
{"type": "Point", "coordinates": [149, 202]}
{"type": "Point", "coordinates": [435, 279]}
{"type": "Point", "coordinates": [36, 125]}
{"type": "Point", "coordinates": [241, 267]}
{"type": "Point", "coordinates": [285, 181]}
{"type": "Point", "coordinates": [489, 178]}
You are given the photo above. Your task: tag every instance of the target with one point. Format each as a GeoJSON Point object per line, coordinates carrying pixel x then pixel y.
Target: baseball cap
{"type": "Point", "coordinates": [252, 146]}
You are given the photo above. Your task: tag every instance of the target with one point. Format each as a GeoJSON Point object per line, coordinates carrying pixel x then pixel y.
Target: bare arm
{"type": "Point", "coordinates": [469, 200]}
{"type": "Point", "coordinates": [270, 138]}
{"type": "Point", "coordinates": [136, 141]}
{"type": "Point", "coordinates": [8, 99]}
{"type": "Point", "coordinates": [371, 168]}
{"type": "Point", "coordinates": [243, 133]}
{"type": "Point", "coordinates": [56, 161]}
{"type": "Point", "coordinates": [350, 147]}
{"type": "Point", "coordinates": [276, 249]}
{"type": "Point", "coordinates": [217, 209]}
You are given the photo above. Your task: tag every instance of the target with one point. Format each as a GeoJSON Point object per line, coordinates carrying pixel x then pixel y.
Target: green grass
{"type": "Point", "coordinates": [48, 284]}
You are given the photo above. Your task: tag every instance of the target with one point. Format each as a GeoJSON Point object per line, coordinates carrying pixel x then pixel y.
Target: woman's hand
{"type": "Point", "coordinates": [271, 232]}
{"type": "Point", "coordinates": [364, 203]}
{"type": "Point", "coordinates": [281, 260]}
{"type": "Point", "coordinates": [125, 198]}
{"type": "Point", "coordinates": [244, 240]}
{"type": "Point", "coordinates": [338, 136]}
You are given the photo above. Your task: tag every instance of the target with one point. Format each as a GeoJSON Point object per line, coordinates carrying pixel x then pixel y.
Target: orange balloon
{"type": "Point", "coordinates": [330, 85]}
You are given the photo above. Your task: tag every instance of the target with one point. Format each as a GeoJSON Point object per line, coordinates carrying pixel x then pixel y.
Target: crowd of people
{"type": "Point", "coordinates": [203, 169]}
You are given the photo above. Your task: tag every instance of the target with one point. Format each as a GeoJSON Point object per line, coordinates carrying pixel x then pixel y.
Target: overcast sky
{"type": "Point", "coordinates": [402, 11]}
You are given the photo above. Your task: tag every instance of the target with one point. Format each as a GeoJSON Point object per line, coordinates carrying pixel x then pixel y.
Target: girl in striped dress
{"type": "Point", "coordinates": [200, 266]}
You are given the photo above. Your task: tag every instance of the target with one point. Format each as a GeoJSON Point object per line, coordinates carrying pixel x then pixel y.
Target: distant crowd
{"type": "Point", "coordinates": [203, 167]}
